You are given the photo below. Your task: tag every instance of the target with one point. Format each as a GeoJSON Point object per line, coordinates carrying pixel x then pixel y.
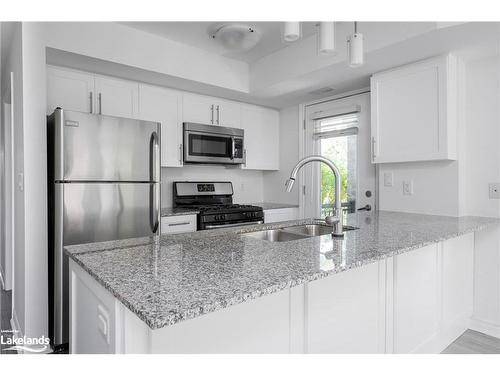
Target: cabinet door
{"type": "Point", "coordinates": [228, 114]}
{"type": "Point", "coordinates": [199, 109]}
{"type": "Point", "coordinates": [261, 127]}
{"type": "Point", "coordinates": [415, 296]}
{"type": "Point", "coordinates": [345, 312]}
{"type": "Point", "coordinates": [165, 106]}
{"type": "Point", "coordinates": [414, 112]}
{"type": "Point", "coordinates": [69, 89]}
{"type": "Point", "coordinates": [116, 97]}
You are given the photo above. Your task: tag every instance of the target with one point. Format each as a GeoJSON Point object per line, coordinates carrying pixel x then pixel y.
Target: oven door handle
{"type": "Point", "coordinates": [234, 225]}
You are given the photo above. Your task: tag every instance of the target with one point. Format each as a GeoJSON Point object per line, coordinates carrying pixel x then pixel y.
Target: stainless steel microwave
{"type": "Point", "coordinates": [208, 144]}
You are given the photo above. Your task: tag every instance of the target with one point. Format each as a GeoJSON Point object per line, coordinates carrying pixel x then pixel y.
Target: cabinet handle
{"type": "Point", "coordinates": [100, 103]}
{"type": "Point", "coordinates": [374, 155]}
{"type": "Point", "coordinates": [91, 102]}
{"type": "Point", "coordinates": [218, 116]}
{"type": "Point", "coordinates": [177, 224]}
{"type": "Point", "coordinates": [212, 118]}
{"type": "Point", "coordinates": [180, 153]}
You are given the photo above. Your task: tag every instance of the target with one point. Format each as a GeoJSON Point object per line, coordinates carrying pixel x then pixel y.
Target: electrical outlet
{"type": "Point", "coordinates": [242, 187]}
{"type": "Point", "coordinates": [494, 190]}
{"type": "Point", "coordinates": [408, 187]}
{"type": "Point", "coordinates": [388, 179]}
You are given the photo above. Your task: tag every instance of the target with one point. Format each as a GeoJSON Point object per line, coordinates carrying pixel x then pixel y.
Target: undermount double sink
{"type": "Point", "coordinates": [295, 232]}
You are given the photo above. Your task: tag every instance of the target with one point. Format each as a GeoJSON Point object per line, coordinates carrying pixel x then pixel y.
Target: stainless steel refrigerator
{"type": "Point", "coordinates": [103, 184]}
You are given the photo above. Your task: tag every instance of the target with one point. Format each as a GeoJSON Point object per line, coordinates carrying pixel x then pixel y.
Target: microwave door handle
{"type": "Point", "coordinates": [233, 145]}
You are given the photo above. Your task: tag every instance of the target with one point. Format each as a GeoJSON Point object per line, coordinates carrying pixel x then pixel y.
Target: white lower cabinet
{"type": "Point", "coordinates": [281, 214]}
{"type": "Point", "coordinates": [345, 312]}
{"type": "Point", "coordinates": [178, 224]}
{"type": "Point", "coordinates": [415, 295]}
{"type": "Point", "coordinates": [93, 313]}
{"type": "Point", "coordinates": [419, 301]}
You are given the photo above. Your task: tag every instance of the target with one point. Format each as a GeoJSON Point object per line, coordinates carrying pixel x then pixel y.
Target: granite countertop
{"type": "Point", "coordinates": [274, 206]}
{"type": "Point", "coordinates": [168, 279]}
{"type": "Point", "coordinates": [174, 211]}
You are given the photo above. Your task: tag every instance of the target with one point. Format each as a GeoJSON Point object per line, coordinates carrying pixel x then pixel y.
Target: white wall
{"type": "Point", "coordinates": [35, 177]}
{"type": "Point", "coordinates": [13, 63]}
{"type": "Point", "coordinates": [274, 181]}
{"type": "Point", "coordinates": [247, 184]}
{"type": "Point", "coordinates": [435, 188]}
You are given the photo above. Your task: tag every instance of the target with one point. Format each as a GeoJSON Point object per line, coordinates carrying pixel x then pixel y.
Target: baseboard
{"type": "Point", "coordinates": [441, 340]}
{"type": "Point", "coordinates": [487, 328]}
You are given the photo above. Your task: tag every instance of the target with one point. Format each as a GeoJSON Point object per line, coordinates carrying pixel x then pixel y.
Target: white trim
{"type": "Point", "coordinates": [301, 156]}
{"type": "Point", "coordinates": [338, 96]}
{"type": "Point", "coordinates": [488, 328]}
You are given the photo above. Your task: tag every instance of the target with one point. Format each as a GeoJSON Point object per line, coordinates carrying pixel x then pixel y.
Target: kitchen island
{"type": "Point", "coordinates": [399, 283]}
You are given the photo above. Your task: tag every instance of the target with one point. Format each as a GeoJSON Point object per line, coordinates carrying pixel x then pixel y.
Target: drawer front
{"type": "Point", "coordinates": [178, 224]}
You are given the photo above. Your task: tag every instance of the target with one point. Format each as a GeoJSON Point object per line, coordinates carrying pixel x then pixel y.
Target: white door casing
{"type": "Point", "coordinates": [366, 171]}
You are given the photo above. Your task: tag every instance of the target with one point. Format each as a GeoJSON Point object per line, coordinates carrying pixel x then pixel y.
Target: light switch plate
{"type": "Point", "coordinates": [408, 187]}
{"type": "Point", "coordinates": [494, 190]}
{"type": "Point", "coordinates": [388, 179]}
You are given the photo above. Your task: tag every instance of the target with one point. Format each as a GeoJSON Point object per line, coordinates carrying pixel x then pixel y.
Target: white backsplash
{"type": "Point", "coordinates": [247, 184]}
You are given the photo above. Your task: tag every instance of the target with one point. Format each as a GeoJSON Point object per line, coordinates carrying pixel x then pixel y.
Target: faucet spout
{"type": "Point", "coordinates": [336, 220]}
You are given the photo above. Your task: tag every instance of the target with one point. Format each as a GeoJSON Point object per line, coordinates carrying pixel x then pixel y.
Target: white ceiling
{"type": "Point", "coordinates": [281, 74]}
{"type": "Point", "coordinates": [197, 34]}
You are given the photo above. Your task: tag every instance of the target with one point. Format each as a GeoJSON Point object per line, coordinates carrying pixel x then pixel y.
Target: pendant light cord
{"type": "Point", "coordinates": [355, 27]}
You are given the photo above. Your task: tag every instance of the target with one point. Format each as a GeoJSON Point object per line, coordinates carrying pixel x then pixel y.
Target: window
{"type": "Point", "coordinates": [337, 138]}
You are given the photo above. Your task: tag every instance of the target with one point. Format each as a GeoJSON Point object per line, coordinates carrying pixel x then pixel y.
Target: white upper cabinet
{"type": "Point", "coordinates": [261, 148]}
{"type": "Point", "coordinates": [228, 113]}
{"type": "Point", "coordinates": [414, 112]}
{"type": "Point", "coordinates": [212, 111]}
{"type": "Point", "coordinates": [116, 97]}
{"type": "Point", "coordinates": [199, 109]}
{"type": "Point", "coordinates": [69, 89]}
{"type": "Point", "coordinates": [86, 92]}
{"type": "Point", "coordinates": [164, 106]}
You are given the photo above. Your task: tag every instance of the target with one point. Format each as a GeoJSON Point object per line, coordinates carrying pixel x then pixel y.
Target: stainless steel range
{"type": "Point", "coordinates": [214, 200]}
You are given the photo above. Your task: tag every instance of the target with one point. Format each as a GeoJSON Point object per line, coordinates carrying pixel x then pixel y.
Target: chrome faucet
{"type": "Point", "coordinates": [336, 220]}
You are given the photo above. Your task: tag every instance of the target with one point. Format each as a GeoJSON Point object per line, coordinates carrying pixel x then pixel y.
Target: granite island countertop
{"type": "Point", "coordinates": [172, 278]}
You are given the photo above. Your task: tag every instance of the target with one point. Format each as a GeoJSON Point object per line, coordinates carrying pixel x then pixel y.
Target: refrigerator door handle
{"type": "Point", "coordinates": [154, 157]}
{"type": "Point", "coordinates": [154, 162]}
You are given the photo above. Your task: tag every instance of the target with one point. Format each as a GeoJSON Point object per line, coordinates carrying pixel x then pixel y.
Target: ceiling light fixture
{"type": "Point", "coordinates": [355, 48]}
{"type": "Point", "coordinates": [291, 31]}
{"type": "Point", "coordinates": [236, 37]}
{"type": "Point", "coordinates": [326, 38]}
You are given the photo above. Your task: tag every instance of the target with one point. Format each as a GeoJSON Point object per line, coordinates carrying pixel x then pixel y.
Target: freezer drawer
{"type": "Point", "coordinates": [91, 147]}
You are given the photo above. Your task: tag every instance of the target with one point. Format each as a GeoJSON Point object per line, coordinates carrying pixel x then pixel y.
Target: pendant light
{"type": "Point", "coordinates": [291, 31]}
{"type": "Point", "coordinates": [326, 38]}
{"type": "Point", "coordinates": [355, 48]}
